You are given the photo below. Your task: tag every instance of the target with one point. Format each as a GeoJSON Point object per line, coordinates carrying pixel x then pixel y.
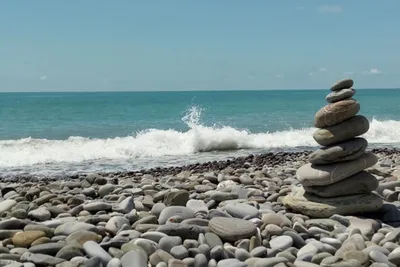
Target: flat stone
{"type": "Point", "coordinates": [48, 248]}
{"type": "Point", "coordinates": [336, 112]}
{"type": "Point", "coordinates": [336, 96]}
{"type": "Point", "coordinates": [70, 227]}
{"type": "Point", "coordinates": [185, 231]}
{"type": "Point", "coordinates": [231, 263]}
{"type": "Point", "coordinates": [232, 229]}
{"type": "Point", "coordinates": [181, 211]}
{"type": "Point", "coordinates": [78, 238]}
{"type": "Point", "coordinates": [276, 219]}
{"type": "Point", "coordinates": [92, 249]}
{"type": "Point", "coordinates": [97, 206]}
{"type": "Point", "coordinates": [344, 151]}
{"type": "Point", "coordinates": [360, 183]}
{"type": "Point", "coordinates": [41, 259]}
{"type": "Point", "coordinates": [281, 243]}
{"type": "Point", "coordinates": [320, 207]}
{"type": "Point", "coordinates": [134, 258]}
{"type": "Point", "coordinates": [317, 175]}
{"type": "Point", "coordinates": [346, 130]}
{"type": "Point", "coordinates": [68, 252]}
{"type": "Point", "coordinates": [342, 84]}
{"type": "Point", "coordinates": [241, 210]}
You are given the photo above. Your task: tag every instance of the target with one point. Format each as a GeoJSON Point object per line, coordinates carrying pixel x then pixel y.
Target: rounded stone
{"type": "Point", "coordinates": [346, 130]}
{"type": "Point", "coordinates": [342, 84]}
{"type": "Point", "coordinates": [281, 243]}
{"type": "Point", "coordinates": [232, 229]}
{"type": "Point", "coordinates": [241, 210]}
{"type": "Point", "coordinates": [360, 183]}
{"type": "Point", "coordinates": [78, 238]}
{"type": "Point", "coordinates": [25, 239]}
{"type": "Point", "coordinates": [319, 207]}
{"type": "Point", "coordinates": [317, 175]}
{"type": "Point", "coordinates": [336, 96]}
{"type": "Point", "coordinates": [181, 211]}
{"type": "Point", "coordinates": [336, 112]}
{"type": "Point", "coordinates": [344, 151]}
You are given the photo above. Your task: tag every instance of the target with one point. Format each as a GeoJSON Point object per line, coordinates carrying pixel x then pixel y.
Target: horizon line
{"type": "Point", "coordinates": [177, 90]}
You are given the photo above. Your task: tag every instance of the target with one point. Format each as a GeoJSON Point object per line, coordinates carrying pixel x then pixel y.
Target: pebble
{"type": "Point", "coordinates": [231, 216]}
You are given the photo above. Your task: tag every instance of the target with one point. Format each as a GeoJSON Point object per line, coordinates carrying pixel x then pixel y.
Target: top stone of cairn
{"type": "Point", "coordinates": [342, 84]}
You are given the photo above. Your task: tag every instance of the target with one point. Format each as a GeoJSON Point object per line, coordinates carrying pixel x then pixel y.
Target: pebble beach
{"type": "Point", "coordinates": [227, 213]}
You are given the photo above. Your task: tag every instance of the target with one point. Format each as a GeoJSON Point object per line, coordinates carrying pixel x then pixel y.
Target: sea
{"type": "Point", "coordinates": [66, 133]}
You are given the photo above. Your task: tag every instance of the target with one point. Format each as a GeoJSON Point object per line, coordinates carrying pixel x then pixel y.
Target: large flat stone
{"type": "Point", "coordinates": [336, 112]}
{"type": "Point", "coordinates": [343, 131]}
{"type": "Point", "coordinates": [344, 151]}
{"type": "Point", "coordinates": [360, 183]}
{"type": "Point", "coordinates": [320, 207]}
{"type": "Point", "coordinates": [317, 175]}
{"type": "Point", "coordinates": [336, 96]}
{"type": "Point", "coordinates": [232, 229]}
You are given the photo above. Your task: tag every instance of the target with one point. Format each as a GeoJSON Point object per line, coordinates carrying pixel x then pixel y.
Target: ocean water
{"type": "Point", "coordinates": [45, 134]}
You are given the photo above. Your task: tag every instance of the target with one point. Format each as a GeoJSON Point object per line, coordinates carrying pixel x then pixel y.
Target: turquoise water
{"type": "Point", "coordinates": [68, 132]}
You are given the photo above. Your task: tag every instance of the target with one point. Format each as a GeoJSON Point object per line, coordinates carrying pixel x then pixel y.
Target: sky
{"type": "Point", "coordinates": [129, 45]}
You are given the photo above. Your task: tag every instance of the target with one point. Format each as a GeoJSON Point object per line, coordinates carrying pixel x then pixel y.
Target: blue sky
{"type": "Point", "coordinates": [86, 45]}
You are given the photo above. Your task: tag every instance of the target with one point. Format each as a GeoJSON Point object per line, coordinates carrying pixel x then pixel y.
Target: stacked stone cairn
{"type": "Point", "coordinates": [335, 181]}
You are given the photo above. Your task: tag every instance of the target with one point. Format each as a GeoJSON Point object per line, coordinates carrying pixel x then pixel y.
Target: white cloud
{"type": "Point", "coordinates": [279, 76]}
{"type": "Point", "coordinates": [323, 69]}
{"type": "Point", "coordinates": [330, 9]}
{"type": "Point", "coordinates": [373, 71]}
{"type": "Point", "coordinates": [311, 74]}
{"type": "Point", "coordinates": [301, 8]}
{"type": "Point", "coordinates": [44, 77]}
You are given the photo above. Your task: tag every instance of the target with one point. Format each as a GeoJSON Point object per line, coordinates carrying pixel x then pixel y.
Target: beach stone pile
{"type": "Point", "coordinates": [224, 217]}
{"type": "Point", "coordinates": [335, 181]}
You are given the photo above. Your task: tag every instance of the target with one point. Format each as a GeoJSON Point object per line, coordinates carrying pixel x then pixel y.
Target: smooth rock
{"type": "Point", "coordinates": [92, 249]}
{"type": "Point", "coordinates": [115, 223]}
{"type": "Point", "coordinates": [48, 248]}
{"type": "Point", "coordinates": [281, 243]}
{"type": "Point", "coordinates": [78, 238]}
{"type": "Point", "coordinates": [134, 259]}
{"type": "Point", "coordinates": [181, 211]}
{"type": "Point", "coordinates": [68, 252]}
{"type": "Point", "coordinates": [342, 84]}
{"type": "Point", "coordinates": [344, 151]}
{"type": "Point", "coordinates": [360, 183]}
{"type": "Point", "coordinates": [319, 207]}
{"type": "Point", "coordinates": [176, 198]}
{"type": "Point", "coordinates": [241, 210]}
{"type": "Point", "coordinates": [317, 175]}
{"type": "Point", "coordinates": [336, 112]}
{"type": "Point", "coordinates": [342, 94]}
{"type": "Point", "coordinates": [231, 263]}
{"type": "Point", "coordinates": [41, 259]}
{"type": "Point", "coordinates": [97, 206]}
{"type": "Point", "coordinates": [232, 229]}
{"type": "Point", "coordinates": [25, 239]}
{"type": "Point", "coordinates": [185, 231]}
{"type": "Point", "coordinates": [7, 204]}
{"type": "Point", "coordinates": [346, 130]}
{"type": "Point", "coordinates": [70, 227]}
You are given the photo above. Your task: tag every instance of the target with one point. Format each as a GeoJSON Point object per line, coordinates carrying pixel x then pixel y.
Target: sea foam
{"type": "Point", "coordinates": [155, 143]}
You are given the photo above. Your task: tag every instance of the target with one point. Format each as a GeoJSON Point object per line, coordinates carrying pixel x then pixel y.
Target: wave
{"type": "Point", "coordinates": [157, 143]}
